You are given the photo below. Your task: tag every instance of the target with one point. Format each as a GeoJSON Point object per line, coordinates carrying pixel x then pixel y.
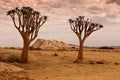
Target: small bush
{"type": "Point", "coordinates": [2, 58]}
{"type": "Point", "coordinates": [117, 63]}
{"type": "Point", "coordinates": [97, 62]}
{"type": "Point", "coordinates": [12, 48]}
{"type": "Point", "coordinates": [9, 58]}
{"type": "Point", "coordinates": [100, 62]}
{"type": "Point", "coordinates": [9, 47]}
{"type": "Point", "coordinates": [12, 58]}
{"type": "Point", "coordinates": [92, 62]}
{"type": "Point", "coordinates": [106, 47]}
{"type": "Point", "coordinates": [31, 48]}
{"type": "Point", "coordinates": [62, 49]}
{"type": "Point", "coordinates": [55, 54]}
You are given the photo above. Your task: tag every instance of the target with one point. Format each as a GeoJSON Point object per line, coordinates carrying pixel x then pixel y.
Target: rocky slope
{"type": "Point", "coordinates": [52, 44]}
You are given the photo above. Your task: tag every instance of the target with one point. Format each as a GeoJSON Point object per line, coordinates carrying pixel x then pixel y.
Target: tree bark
{"type": "Point", "coordinates": [80, 52]}
{"type": "Point", "coordinates": [24, 55]}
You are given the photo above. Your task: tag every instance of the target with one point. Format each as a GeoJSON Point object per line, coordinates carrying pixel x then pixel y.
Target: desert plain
{"type": "Point", "coordinates": [98, 64]}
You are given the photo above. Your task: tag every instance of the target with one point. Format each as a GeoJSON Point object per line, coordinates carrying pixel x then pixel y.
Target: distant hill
{"type": "Point", "coordinates": [52, 45]}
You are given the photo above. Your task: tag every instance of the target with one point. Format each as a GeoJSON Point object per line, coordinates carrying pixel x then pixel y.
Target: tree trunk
{"type": "Point", "coordinates": [24, 55]}
{"type": "Point", "coordinates": [80, 52]}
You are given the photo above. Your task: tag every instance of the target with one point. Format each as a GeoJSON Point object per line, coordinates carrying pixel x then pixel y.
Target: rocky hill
{"type": "Point", "coordinates": [52, 45]}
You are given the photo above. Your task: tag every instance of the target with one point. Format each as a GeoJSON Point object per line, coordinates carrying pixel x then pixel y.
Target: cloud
{"type": "Point", "coordinates": [67, 8]}
{"type": "Point", "coordinates": [99, 10]}
{"type": "Point", "coordinates": [113, 1]}
{"type": "Point", "coordinates": [56, 6]}
{"type": "Point", "coordinates": [95, 8]}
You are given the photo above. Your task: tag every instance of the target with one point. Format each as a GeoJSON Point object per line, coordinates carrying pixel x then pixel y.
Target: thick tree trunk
{"type": "Point", "coordinates": [80, 52]}
{"type": "Point", "coordinates": [24, 55]}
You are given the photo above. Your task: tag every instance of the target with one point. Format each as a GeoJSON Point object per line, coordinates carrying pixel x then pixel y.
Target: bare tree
{"type": "Point", "coordinates": [28, 22]}
{"type": "Point", "coordinates": [83, 28]}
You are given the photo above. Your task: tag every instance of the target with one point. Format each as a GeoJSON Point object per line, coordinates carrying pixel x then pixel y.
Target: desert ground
{"type": "Point", "coordinates": [98, 64]}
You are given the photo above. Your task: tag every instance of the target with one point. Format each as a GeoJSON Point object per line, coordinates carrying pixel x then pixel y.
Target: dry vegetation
{"type": "Point", "coordinates": [59, 65]}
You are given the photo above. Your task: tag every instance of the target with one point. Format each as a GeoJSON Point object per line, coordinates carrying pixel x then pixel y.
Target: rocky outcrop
{"type": "Point", "coordinates": [51, 44]}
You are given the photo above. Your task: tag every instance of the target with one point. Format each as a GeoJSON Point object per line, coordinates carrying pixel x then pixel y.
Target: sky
{"type": "Point", "coordinates": [105, 12]}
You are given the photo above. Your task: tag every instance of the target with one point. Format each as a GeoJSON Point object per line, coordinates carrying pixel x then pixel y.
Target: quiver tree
{"type": "Point", "coordinates": [28, 22]}
{"type": "Point", "coordinates": [83, 28]}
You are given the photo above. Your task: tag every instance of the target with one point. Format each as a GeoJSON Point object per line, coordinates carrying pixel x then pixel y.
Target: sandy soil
{"type": "Point", "coordinates": [44, 65]}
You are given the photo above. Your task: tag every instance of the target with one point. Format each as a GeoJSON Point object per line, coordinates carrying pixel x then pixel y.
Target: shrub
{"type": "Point", "coordinates": [9, 47]}
{"type": "Point", "coordinates": [97, 62]}
{"type": "Point", "coordinates": [92, 62]}
{"type": "Point", "coordinates": [12, 48]}
{"type": "Point", "coordinates": [12, 58]}
{"type": "Point", "coordinates": [9, 58]}
{"type": "Point", "coordinates": [100, 62]}
{"type": "Point", "coordinates": [31, 48]}
{"type": "Point", "coordinates": [117, 63]}
{"type": "Point", "coordinates": [106, 47]}
{"type": "Point", "coordinates": [55, 54]}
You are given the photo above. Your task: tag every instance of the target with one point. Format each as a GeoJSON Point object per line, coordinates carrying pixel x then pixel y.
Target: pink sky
{"type": "Point", "coordinates": [106, 12]}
